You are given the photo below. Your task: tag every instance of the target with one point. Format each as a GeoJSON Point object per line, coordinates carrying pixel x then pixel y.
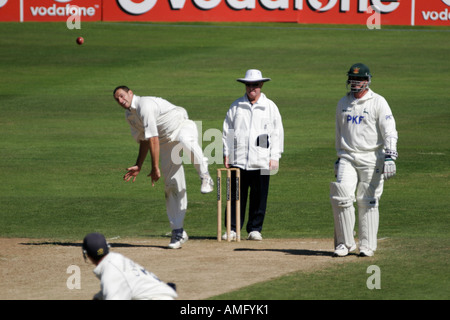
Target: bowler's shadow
{"type": "Point", "coordinates": [77, 244]}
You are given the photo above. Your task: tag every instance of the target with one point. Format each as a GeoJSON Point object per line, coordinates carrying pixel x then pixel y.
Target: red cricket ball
{"type": "Point", "coordinates": [80, 40]}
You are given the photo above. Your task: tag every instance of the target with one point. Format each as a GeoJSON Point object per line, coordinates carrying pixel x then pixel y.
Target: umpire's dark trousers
{"type": "Point", "coordinates": [258, 184]}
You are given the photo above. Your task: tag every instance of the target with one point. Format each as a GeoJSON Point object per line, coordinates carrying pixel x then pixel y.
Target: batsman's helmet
{"type": "Point", "coordinates": [95, 246]}
{"type": "Point", "coordinates": [359, 77]}
{"type": "Point", "coordinates": [359, 70]}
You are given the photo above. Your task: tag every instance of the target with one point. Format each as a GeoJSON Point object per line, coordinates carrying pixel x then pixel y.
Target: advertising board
{"type": "Point", "coordinates": [432, 12]}
{"type": "Point", "coordinates": [50, 10]}
{"type": "Point", "coordinates": [369, 12]}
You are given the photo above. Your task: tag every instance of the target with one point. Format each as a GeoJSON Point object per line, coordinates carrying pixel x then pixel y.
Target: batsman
{"type": "Point", "coordinates": [366, 145]}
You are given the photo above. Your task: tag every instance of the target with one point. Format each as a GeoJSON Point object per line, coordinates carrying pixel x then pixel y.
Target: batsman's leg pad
{"type": "Point", "coordinates": [344, 214]}
{"type": "Point", "coordinates": [368, 227]}
{"type": "Point", "coordinates": [368, 216]}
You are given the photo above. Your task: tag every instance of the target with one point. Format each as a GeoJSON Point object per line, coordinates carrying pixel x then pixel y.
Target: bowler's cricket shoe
{"type": "Point", "coordinates": [207, 185]}
{"type": "Point", "coordinates": [179, 236]}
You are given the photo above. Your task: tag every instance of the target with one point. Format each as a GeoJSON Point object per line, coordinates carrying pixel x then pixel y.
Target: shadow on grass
{"type": "Point", "coordinates": [299, 252]}
{"type": "Point", "coordinates": [77, 244]}
{"type": "Point", "coordinates": [112, 244]}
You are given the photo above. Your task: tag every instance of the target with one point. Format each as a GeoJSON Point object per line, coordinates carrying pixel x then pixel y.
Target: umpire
{"type": "Point", "coordinates": [253, 142]}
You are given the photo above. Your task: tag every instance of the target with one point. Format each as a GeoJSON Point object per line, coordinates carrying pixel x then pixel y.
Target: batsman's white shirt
{"type": "Point", "coordinates": [364, 125]}
{"type": "Point", "coordinates": [244, 124]}
{"type": "Point", "coordinates": [154, 117]}
{"type": "Point", "coordinates": [123, 279]}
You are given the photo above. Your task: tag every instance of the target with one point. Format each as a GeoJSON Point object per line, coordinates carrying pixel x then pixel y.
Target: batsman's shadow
{"type": "Point", "coordinates": [298, 252]}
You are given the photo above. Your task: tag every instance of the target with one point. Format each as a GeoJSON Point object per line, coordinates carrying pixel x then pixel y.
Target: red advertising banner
{"type": "Point", "coordinates": [61, 10]}
{"type": "Point", "coordinates": [10, 10]}
{"type": "Point", "coordinates": [373, 13]}
{"type": "Point", "coordinates": [200, 10]}
{"type": "Point", "coordinates": [370, 13]}
{"type": "Point", "coordinates": [50, 10]}
{"type": "Point", "coordinates": [397, 12]}
{"type": "Point", "coordinates": [432, 12]}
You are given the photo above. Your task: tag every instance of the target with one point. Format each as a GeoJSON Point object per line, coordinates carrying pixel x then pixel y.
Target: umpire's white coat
{"type": "Point", "coordinates": [244, 130]}
{"type": "Point", "coordinates": [123, 279]}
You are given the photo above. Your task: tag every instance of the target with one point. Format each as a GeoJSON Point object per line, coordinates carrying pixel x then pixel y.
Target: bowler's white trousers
{"type": "Point", "coordinates": [173, 172]}
{"type": "Point", "coordinates": [363, 173]}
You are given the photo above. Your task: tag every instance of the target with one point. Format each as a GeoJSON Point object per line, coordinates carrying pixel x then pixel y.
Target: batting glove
{"type": "Point", "coordinates": [390, 168]}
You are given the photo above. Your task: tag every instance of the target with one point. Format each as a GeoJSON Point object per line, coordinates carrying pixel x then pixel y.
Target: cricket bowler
{"type": "Point", "coordinates": [160, 128]}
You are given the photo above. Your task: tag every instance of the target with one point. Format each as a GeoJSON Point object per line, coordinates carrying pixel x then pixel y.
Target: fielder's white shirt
{"type": "Point", "coordinates": [123, 279]}
{"type": "Point", "coordinates": [364, 125]}
{"type": "Point", "coordinates": [154, 117]}
{"type": "Point", "coordinates": [244, 127]}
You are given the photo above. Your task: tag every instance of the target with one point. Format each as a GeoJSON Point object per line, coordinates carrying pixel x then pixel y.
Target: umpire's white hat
{"type": "Point", "coordinates": [253, 75]}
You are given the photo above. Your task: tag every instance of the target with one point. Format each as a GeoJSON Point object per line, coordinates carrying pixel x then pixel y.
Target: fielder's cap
{"type": "Point", "coordinates": [95, 245]}
{"type": "Point", "coordinates": [253, 75]}
{"type": "Point", "coordinates": [359, 70]}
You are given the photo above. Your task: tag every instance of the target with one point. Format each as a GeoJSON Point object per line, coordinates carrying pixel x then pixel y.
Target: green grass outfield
{"type": "Point", "coordinates": [65, 144]}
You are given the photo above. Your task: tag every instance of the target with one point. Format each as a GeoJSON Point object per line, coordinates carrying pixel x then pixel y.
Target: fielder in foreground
{"type": "Point", "coordinates": [366, 145]}
{"type": "Point", "coordinates": [161, 128]}
{"type": "Point", "coordinates": [120, 277]}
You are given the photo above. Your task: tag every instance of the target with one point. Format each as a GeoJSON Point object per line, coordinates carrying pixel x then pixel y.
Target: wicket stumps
{"type": "Point", "coordinates": [228, 210]}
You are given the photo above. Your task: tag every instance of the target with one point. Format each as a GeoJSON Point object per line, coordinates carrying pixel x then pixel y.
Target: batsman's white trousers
{"type": "Point", "coordinates": [173, 171]}
{"type": "Point", "coordinates": [361, 173]}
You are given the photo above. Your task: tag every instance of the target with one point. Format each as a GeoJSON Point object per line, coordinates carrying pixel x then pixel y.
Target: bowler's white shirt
{"type": "Point", "coordinates": [365, 124]}
{"type": "Point", "coordinates": [154, 117]}
{"type": "Point", "coordinates": [123, 279]}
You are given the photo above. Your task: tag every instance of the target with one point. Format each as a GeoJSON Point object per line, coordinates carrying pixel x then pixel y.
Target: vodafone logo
{"type": "Point", "coordinates": [136, 7]}
{"type": "Point", "coordinates": [3, 2]}
{"type": "Point", "coordinates": [382, 6]}
{"type": "Point", "coordinates": [317, 5]}
{"type": "Point", "coordinates": [443, 15]}
{"type": "Point", "coordinates": [62, 8]}
{"type": "Point", "coordinates": [139, 7]}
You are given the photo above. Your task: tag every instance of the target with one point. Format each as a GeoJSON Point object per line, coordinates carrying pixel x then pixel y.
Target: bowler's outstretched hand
{"type": "Point", "coordinates": [132, 173]}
